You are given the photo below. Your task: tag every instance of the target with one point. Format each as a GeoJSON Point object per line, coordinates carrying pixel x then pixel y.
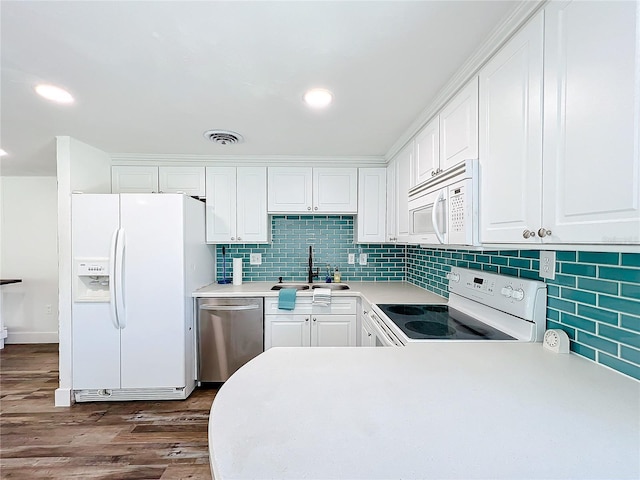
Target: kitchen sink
{"type": "Point", "coordinates": [332, 286]}
{"type": "Point", "coordinates": [297, 286]}
{"type": "Point", "coordinates": [306, 286]}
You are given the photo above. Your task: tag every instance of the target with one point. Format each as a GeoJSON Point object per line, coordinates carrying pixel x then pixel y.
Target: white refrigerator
{"type": "Point", "coordinates": [137, 258]}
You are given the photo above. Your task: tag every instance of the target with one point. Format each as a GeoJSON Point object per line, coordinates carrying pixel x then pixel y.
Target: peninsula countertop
{"type": "Point", "coordinates": [438, 410]}
{"type": "Point", "coordinates": [374, 292]}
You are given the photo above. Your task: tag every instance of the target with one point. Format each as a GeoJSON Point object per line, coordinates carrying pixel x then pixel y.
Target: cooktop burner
{"type": "Point", "coordinates": [439, 322]}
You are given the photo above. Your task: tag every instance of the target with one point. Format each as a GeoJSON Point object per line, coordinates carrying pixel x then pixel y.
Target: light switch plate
{"type": "Point", "coordinates": [351, 259]}
{"type": "Point", "coordinates": [363, 259]}
{"type": "Point", "coordinates": [255, 259]}
{"type": "Point", "coordinates": [547, 264]}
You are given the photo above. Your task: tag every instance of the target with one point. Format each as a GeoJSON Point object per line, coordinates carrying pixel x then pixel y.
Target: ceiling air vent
{"type": "Point", "coordinates": [223, 137]}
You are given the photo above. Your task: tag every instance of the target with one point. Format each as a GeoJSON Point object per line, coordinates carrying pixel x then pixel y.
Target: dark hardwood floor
{"type": "Point", "coordinates": [105, 440]}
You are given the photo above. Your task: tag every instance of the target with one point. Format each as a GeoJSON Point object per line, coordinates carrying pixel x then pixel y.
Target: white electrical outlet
{"type": "Point", "coordinates": [548, 264]}
{"type": "Point", "coordinates": [255, 259]}
{"type": "Point", "coordinates": [351, 259]}
{"type": "Point", "coordinates": [363, 259]}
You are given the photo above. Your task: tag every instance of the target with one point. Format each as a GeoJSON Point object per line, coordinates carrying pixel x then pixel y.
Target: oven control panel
{"type": "Point", "coordinates": [513, 295]}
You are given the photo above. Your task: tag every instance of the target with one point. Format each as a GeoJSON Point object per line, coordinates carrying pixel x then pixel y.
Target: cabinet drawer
{"type": "Point", "coordinates": [339, 306]}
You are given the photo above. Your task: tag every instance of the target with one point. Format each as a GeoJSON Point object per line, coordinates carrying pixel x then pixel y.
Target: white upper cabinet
{"type": "Point", "coordinates": [126, 179]}
{"type": "Point", "coordinates": [398, 181]}
{"type": "Point", "coordinates": [459, 127]}
{"type": "Point", "coordinates": [236, 205]}
{"type": "Point", "coordinates": [449, 138]}
{"type": "Point", "coordinates": [372, 205]}
{"type": "Point", "coordinates": [559, 132]}
{"type": "Point", "coordinates": [426, 155]}
{"type": "Point", "coordinates": [313, 190]}
{"type": "Point", "coordinates": [591, 170]}
{"type": "Point", "coordinates": [510, 107]}
{"type": "Point", "coordinates": [148, 179]}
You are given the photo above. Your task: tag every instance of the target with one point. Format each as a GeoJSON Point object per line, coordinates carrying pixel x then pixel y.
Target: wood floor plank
{"type": "Point", "coordinates": [99, 440]}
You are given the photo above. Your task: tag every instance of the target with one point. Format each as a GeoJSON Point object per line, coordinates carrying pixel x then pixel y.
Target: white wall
{"type": "Point", "coordinates": [80, 167]}
{"type": "Point", "coordinates": [29, 251]}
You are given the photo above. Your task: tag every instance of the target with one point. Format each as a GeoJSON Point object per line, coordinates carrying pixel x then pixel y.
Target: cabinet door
{"type": "Point", "coordinates": [591, 165]}
{"type": "Point", "coordinates": [391, 201]}
{"type": "Point", "coordinates": [372, 205]}
{"type": "Point", "coordinates": [252, 218]}
{"type": "Point", "coordinates": [333, 330]}
{"type": "Point", "coordinates": [335, 190]}
{"type": "Point", "coordinates": [126, 179]}
{"type": "Point", "coordinates": [459, 127]}
{"type": "Point", "coordinates": [403, 177]}
{"type": "Point", "coordinates": [511, 139]}
{"type": "Point", "coordinates": [290, 189]}
{"type": "Point", "coordinates": [187, 180]}
{"type": "Point", "coordinates": [286, 331]}
{"type": "Point", "coordinates": [426, 156]}
{"type": "Point", "coordinates": [221, 204]}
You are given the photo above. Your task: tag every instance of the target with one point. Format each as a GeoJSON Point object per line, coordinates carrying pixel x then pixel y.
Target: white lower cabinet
{"type": "Point", "coordinates": [310, 325]}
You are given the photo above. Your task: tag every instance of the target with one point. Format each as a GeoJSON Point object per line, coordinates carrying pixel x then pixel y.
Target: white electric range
{"type": "Point", "coordinates": [482, 306]}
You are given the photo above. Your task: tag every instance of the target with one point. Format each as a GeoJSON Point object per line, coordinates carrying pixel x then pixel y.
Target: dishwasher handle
{"type": "Point", "coordinates": [229, 308]}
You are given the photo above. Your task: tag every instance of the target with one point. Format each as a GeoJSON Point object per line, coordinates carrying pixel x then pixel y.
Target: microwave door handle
{"type": "Point", "coordinates": [434, 216]}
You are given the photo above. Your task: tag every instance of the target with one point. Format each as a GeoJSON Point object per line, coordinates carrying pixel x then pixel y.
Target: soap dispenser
{"type": "Point", "coordinates": [336, 275]}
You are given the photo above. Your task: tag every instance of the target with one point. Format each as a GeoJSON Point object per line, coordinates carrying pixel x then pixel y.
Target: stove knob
{"type": "Point", "coordinates": [507, 291]}
{"type": "Point", "coordinates": [518, 294]}
{"type": "Point", "coordinates": [453, 277]}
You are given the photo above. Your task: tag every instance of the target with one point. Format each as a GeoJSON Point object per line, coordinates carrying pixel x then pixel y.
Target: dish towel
{"type": "Point", "coordinates": [322, 296]}
{"type": "Point", "coordinates": [287, 299]}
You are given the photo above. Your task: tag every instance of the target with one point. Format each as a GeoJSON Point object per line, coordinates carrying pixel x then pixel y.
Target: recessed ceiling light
{"type": "Point", "coordinates": [2, 153]}
{"type": "Point", "coordinates": [318, 97]}
{"type": "Point", "coordinates": [53, 93]}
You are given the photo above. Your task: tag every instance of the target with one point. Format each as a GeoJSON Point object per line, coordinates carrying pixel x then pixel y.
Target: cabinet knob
{"type": "Point", "coordinates": [306, 319]}
{"type": "Point", "coordinates": [543, 232]}
{"type": "Point", "coordinates": [308, 208]}
{"type": "Point", "coordinates": [314, 319]}
{"type": "Point", "coordinates": [368, 334]}
{"type": "Point", "coordinates": [433, 173]}
{"type": "Point", "coordinates": [233, 238]}
{"type": "Point", "coordinates": [528, 234]}
{"type": "Point", "coordinates": [364, 312]}
{"type": "Point", "coordinates": [315, 208]}
{"type": "Point", "coordinates": [239, 238]}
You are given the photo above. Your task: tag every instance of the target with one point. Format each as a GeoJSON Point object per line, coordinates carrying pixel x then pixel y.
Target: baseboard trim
{"type": "Point", "coordinates": [31, 337]}
{"type": "Point", "coordinates": [63, 397]}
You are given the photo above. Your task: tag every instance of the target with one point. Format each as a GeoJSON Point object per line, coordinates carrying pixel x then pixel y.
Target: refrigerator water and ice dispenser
{"type": "Point", "coordinates": [92, 280]}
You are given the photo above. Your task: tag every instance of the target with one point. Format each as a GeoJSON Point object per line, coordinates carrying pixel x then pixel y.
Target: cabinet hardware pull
{"type": "Point", "coordinates": [233, 238]}
{"type": "Point", "coordinates": [314, 319]}
{"type": "Point", "coordinates": [308, 208]}
{"type": "Point", "coordinates": [528, 234]}
{"type": "Point", "coordinates": [544, 232]}
{"type": "Point", "coordinates": [315, 208]}
{"type": "Point", "coordinates": [239, 238]}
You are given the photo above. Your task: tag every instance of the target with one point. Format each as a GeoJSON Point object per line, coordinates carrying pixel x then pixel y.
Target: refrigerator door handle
{"type": "Point", "coordinates": [119, 277]}
{"type": "Point", "coordinates": [112, 278]}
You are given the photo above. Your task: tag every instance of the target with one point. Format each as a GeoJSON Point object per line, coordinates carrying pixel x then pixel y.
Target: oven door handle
{"type": "Point", "coordinates": [434, 215]}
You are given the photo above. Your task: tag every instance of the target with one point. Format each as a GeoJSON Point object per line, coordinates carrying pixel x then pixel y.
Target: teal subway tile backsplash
{"type": "Point", "coordinates": [595, 296]}
{"type": "Point", "coordinates": [330, 236]}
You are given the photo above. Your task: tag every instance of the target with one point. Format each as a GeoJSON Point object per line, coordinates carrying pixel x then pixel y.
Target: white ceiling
{"type": "Point", "coordinates": [150, 77]}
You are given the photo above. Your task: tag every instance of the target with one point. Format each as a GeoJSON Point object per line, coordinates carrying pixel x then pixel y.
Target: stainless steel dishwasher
{"type": "Point", "coordinates": [230, 333]}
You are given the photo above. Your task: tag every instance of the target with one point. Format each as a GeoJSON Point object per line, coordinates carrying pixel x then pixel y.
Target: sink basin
{"type": "Point", "coordinates": [332, 286]}
{"type": "Point", "coordinates": [297, 286]}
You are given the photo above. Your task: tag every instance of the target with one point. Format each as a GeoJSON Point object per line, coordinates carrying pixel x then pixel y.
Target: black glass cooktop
{"type": "Point", "coordinates": [439, 322]}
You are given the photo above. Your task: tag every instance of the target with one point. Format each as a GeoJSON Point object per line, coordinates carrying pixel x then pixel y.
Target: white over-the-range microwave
{"type": "Point", "coordinates": [444, 209]}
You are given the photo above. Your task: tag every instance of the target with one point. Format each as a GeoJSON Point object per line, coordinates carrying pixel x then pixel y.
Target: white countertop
{"type": "Point", "coordinates": [374, 292]}
{"type": "Point", "coordinates": [438, 410]}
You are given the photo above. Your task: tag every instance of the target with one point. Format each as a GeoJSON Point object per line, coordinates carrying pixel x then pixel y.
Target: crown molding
{"type": "Point", "coordinates": [497, 38]}
{"type": "Point", "coordinates": [245, 160]}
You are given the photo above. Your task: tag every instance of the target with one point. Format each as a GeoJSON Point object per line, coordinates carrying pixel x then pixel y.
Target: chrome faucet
{"type": "Point", "coordinates": [312, 275]}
